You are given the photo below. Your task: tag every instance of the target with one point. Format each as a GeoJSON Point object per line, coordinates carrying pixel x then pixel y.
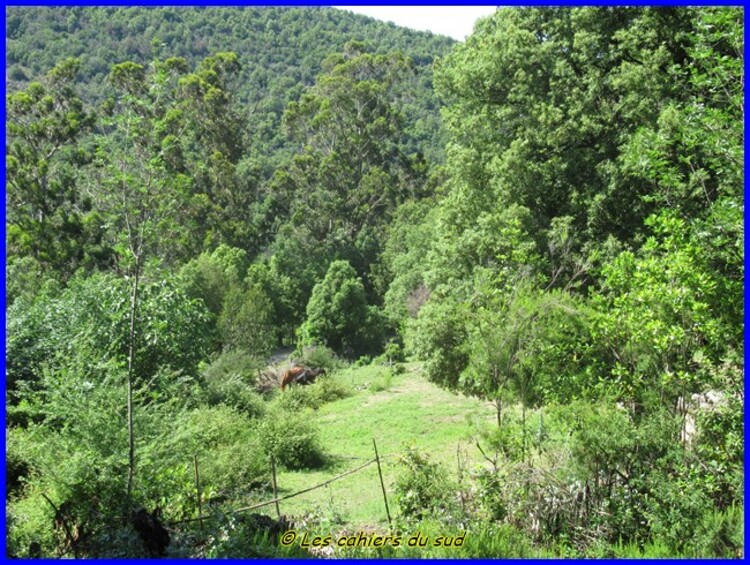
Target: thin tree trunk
{"type": "Point", "coordinates": [131, 359]}
{"type": "Point", "coordinates": [523, 432]}
{"type": "Point", "coordinates": [498, 401]}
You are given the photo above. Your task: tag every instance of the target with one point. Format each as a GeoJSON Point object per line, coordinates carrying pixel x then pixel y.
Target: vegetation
{"type": "Point", "coordinates": [540, 258]}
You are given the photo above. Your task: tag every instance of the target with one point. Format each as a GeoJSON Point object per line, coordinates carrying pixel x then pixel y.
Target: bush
{"type": "Point", "coordinates": [324, 389]}
{"type": "Point", "coordinates": [230, 380]}
{"type": "Point", "coordinates": [246, 321]}
{"type": "Point", "coordinates": [392, 354]}
{"type": "Point", "coordinates": [79, 470]}
{"type": "Point", "coordinates": [438, 337]}
{"type": "Point", "coordinates": [89, 322]}
{"type": "Point", "coordinates": [291, 438]}
{"type": "Point", "coordinates": [238, 537]}
{"type": "Point", "coordinates": [332, 387]}
{"type": "Point", "coordinates": [29, 521]}
{"type": "Point", "coordinates": [479, 541]}
{"type": "Point", "coordinates": [648, 550]}
{"type": "Point", "coordinates": [320, 356]}
{"type": "Point", "coordinates": [82, 470]}
{"type": "Point", "coordinates": [363, 361]}
{"type": "Point", "coordinates": [209, 276]}
{"type": "Point", "coordinates": [495, 541]}
{"type": "Point", "coordinates": [24, 279]}
{"type": "Point", "coordinates": [719, 534]}
{"type": "Point", "coordinates": [233, 392]}
{"type": "Point", "coordinates": [384, 381]}
{"type": "Point", "coordinates": [234, 363]}
{"type": "Point", "coordinates": [17, 73]}
{"type": "Point", "coordinates": [423, 488]}
{"type": "Point", "coordinates": [230, 452]}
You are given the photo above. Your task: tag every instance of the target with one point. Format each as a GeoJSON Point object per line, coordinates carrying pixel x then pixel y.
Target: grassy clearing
{"type": "Point", "coordinates": [400, 411]}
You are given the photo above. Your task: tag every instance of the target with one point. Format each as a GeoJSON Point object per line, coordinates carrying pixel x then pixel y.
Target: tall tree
{"type": "Point", "coordinates": [49, 217]}
{"type": "Point", "coordinates": [136, 140]}
{"type": "Point", "coordinates": [142, 178]}
{"type": "Point", "coordinates": [540, 103]}
{"type": "Point", "coordinates": [341, 188]}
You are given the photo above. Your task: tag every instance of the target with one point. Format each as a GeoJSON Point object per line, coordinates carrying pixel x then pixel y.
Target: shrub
{"type": "Point", "coordinates": [82, 474]}
{"type": "Point", "coordinates": [17, 73]}
{"type": "Point", "coordinates": [383, 382]}
{"type": "Point", "coordinates": [230, 379]}
{"type": "Point", "coordinates": [230, 452]}
{"type": "Point", "coordinates": [29, 521]}
{"type": "Point", "coordinates": [496, 541]}
{"type": "Point", "coordinates": [719, 534]}
{"type": "Point", "coordinates": [89, 321]}
{"type": "Point", "coordinates": [362, 361]}
{"type": "Point", "coordinates": [235, 393]}
{"type": "Point", "coordinates": [320, 356]}
{"type": "Point", "coordinates": [238, 537]}
{"type": "Point", "coordinates": [648, 550]}
{"type": "Point", "coordinates": [234, 363]}
{"type": "Point", "coordinates": [423, 488]}
{"type": "Point", "coordinates": [392, 354]}
{"type": "Point", "coordinates": [332, 388]}
{"type": "Point", "coordinates": [324, 389]}
{"type": "Point", "coordinates": [479, 541]}
{"type": "Point", "coordinates": [438, 337]}
{"type": "Point", "coordinates": [209, 276]}
{"type": "Point", "coordinates": [246, 321]}
{"type": "Point", "coordinates": [24, 279]}
{"type": "Point", "coordinates": [291, 438]}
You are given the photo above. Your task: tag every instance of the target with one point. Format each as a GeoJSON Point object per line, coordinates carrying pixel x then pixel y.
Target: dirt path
{"type": "Point", "coordinates": [281, 355]}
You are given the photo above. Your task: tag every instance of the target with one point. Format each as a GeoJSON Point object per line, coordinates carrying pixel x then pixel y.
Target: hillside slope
{"type": "Point", "coordinates": [400, 412]}
{"type": "Point", "coordinates": [280, 50]}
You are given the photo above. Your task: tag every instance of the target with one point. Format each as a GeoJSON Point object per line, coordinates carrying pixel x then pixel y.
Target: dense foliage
{"type": "Point", "coordinates": [281, 51]}
{"type": "Point", "coordinates": [189, 189]}
{"type": "Point", "coordinates": [589, 248]}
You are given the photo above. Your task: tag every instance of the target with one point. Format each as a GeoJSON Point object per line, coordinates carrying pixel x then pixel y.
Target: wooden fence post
{"type": "Point", "coordinates": [198, 489]}
{"type": "Point", "coordinates": [460, 470]}
{"type": "Point", "coordinates": [382, 485]}
{"type": "Point", "coordinates": [273, 482]}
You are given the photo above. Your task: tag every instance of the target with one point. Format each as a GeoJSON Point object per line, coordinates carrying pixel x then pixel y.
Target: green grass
{"type": "Point", "coordinates": [399, 411]}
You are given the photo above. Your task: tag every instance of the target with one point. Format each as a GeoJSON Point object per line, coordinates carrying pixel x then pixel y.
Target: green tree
{"type": "Point", "coordinates": [338, 315]}
{"type": "Point", "coordinates": [522, 344]}
{"type": "Point", "coordinates": [402, 266]}
{"type": "Point", "coordinates": [658, 330]}
{"type": "Point", "coordinates": [211, 275]}
{"type": "Point", "coordinates": [214, 144]}
{"type": "Point", "coordinates": [49, 217]}
{"type": "Point", "coordinates": [88, 322]}
{"type": "Point", "coordinates": [539, 105]}
{"type": "Point", "coordinates": [132, 164]}
{"type": "Point", "coordinates": [140, 182]}
{"type": "Point", "coordinates": [246, 321]}
{"type": "Point", "coordinates": [67, 367]}
{"type": "Point", "coordinates": [349, 174]}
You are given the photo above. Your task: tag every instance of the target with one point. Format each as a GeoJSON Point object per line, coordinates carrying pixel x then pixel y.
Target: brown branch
{"type": "Point", "coordinates": [68, 534]}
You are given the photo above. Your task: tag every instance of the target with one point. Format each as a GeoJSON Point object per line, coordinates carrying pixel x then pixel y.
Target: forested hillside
{"type": "Point", "coordinates": [281, 51]}
{"type": "Point", "coordinates": [547, 217]}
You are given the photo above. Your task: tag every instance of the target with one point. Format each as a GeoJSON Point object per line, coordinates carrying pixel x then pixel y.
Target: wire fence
{"type": "Point", "coordinates": [276, 499]}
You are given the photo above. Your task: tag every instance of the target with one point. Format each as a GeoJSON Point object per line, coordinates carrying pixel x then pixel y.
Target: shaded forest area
{"type": "Point", "coordinates": [548, 216]}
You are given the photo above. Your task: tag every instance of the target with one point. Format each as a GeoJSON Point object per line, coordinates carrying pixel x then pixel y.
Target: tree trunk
{"type": "Point", "coordinates": [131, 359]}
{"type": "Point", "coordinates": [498, 401]}
{"type": "Point", "coordinates": [523, 432]}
